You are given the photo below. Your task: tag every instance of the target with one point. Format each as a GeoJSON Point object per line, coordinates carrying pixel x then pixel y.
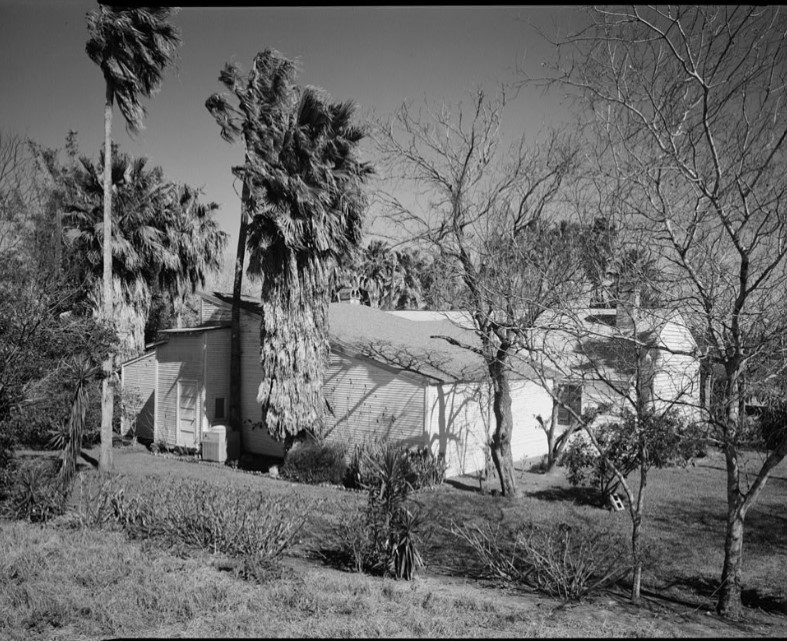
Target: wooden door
{"type": "Point", "coordinates": [188, 414]}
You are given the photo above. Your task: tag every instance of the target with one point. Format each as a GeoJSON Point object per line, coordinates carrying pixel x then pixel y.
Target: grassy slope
{"type": "Point", "coordinates": [59, 583]}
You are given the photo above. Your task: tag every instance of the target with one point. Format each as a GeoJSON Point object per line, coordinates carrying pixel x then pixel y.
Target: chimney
{"type": "Point", "coordinates": [627, 312]}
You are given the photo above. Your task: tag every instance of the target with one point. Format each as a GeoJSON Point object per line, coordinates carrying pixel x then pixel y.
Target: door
{"type": "Point", "coordinates": [188, 414]}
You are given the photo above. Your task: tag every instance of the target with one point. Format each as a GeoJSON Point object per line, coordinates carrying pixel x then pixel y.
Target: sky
{"type": "Point", "coordinates": [378, 57]}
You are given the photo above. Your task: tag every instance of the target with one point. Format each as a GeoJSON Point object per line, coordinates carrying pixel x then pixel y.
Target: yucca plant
{"type": "Point", "coordinates": [392, 526]}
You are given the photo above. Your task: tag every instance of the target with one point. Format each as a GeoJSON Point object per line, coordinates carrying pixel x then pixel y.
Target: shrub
{"type": "Point", "coordinates": [315, 461]}
{"type": "Point", "coordinates": [653, 440]}
{"type": "Point", "coordinates": [7, 461]}
{"type": "Point", "coordinates": [34, 494]}
{"type": "Point", "coordinates": [557, 560]}
{"type": "Point", "coordinates": [421, 468]}
{"type": "Point", "coordinates": [215, 518]}
{"type": "Point", "coordinates": [383, 539]}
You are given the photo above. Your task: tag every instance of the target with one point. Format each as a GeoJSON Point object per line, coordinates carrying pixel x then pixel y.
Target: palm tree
{"type": "Point", "coordinates": [132, 47]}
{"type": "Point", "coordinates": [140, 242]}
{"type": "Point", "coordinates": [309, 220]}
{"type": "Point", "coordinates": [263, 101]}
{"type": "Point", "coordinates": [195, 238]}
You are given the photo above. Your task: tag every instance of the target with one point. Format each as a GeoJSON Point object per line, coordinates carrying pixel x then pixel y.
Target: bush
{"type": "Point", "coordinates": [655, 440]}
{"type": "Point", "coordinates": [421, 468]}
{"type": "Point", "coordinates": [199, 514]}
{"type": "Point", "coordinates": [34, 493]}
{"type": "Point", "coordinates": [315, 462]}
{"type": "Point", "coordinates": [556, 560]}
{"type": "Point", "coordinates": [7, 461]}
{"type": "Point", "coordinates": [383, 539]}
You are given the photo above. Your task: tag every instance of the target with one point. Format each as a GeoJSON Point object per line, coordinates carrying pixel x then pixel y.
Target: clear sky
{"type": "Point", "coordinates": [376, 56]}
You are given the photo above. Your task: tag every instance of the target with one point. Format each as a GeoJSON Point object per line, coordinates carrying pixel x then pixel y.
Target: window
{"type": "Point", "coordinates": [219, 409]}
{"type": "Point", "coordinates": [571, 395]}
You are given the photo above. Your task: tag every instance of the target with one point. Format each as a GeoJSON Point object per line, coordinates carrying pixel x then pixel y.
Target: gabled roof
{"type": "Point", "coordinates": [414, 346]}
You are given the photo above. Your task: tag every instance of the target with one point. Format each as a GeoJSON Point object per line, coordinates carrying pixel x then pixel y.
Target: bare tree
{"type": "Point", "coordinates": [689, 107]}
{"type": "Point", "coordinates": [638, 375]}
{"type": "Point", "coordinates": [488, 220]}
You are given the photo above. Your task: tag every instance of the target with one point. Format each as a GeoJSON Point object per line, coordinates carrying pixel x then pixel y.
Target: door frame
{"type": "Point", "coordinates": [197, 415]}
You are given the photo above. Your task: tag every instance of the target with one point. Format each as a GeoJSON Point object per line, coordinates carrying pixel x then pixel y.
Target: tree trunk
{"type": "Point", "coordinates": [636, 554]}
{"type": "Point", "coordinates": [730, 605]}
{"type": "Point", "coordinates": [504, 423]}
{"type": "Point", "coordinates": [107, 398]}
{"type": "Point", "coordinates": [636, 534]}
{"type": "Point", "coordinates": [552, 451]}
{"type": "Point", "coordinates": [237, 284]}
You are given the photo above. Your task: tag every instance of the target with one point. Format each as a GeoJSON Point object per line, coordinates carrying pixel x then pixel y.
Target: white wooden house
{"type": "Point", "coordinates": [389, 377]}
{"type": "Point", "coordinates": [596, 354]}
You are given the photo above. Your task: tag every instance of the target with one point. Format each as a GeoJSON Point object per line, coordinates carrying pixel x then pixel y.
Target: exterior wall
{"type": "Point", "coordinates": [371, 403]}
{"type": "Point", "coordinates": [528, 400]}
{"type": "Point", "coordinates": [256, 441]}
{"type": "Point", "coordinates": [677, 378]}
{"type": "Point", "coordinates": [139, 389]}
{"type": "Point", "coordinates": [216, 376]}
{"type": "Point", "coordinates": [212, 313]}
{"type": "Point", "coordinates": [458, 425]}
{"type": "Point", "coordinates": [181, 358]}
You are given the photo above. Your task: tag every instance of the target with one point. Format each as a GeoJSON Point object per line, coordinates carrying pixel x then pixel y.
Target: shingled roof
{"type": "Point", "coordinates": [394, 341]}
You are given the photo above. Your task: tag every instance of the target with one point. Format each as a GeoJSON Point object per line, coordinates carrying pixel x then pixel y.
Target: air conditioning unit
{"type": "Point", "coordinates": [214, 444]}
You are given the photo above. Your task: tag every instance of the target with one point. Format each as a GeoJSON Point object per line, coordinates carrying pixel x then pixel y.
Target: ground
{"type": "Point", "coordinates": [449, 598]}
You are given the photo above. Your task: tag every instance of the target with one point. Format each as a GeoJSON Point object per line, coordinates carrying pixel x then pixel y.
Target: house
{"type": "Point", "coordinates": [600, 353]}
{"type": "Point", "coordinates": [389, 377]}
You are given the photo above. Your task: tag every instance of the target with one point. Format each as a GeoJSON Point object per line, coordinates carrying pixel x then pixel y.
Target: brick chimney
{"type": "Point", "coordinates": [627, 312]}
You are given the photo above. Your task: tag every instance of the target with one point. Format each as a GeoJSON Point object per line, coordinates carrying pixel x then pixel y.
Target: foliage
{"type": "Point", "coordinates": [304, 179]}
{"type": "Point", "coordinates": [132, 47]}
{"type": "Point", "coordinates": [165, 239]}
{"type": "Point", "coordinates": [559, 560]}
{"type": "Point", "coordinates": [421, 468]}
{"type": "Point", "coordinates": [35, 493]}
{"type": "Point", "coordinates": [315, 461]}
{"type": "Point", "coordinates": [42, 329]}
{"type": "Point", "coordinates": [658, 440]}
{"type": "Point", "coordinates": [383, 539]}
{"type": "Point", "coordinates": [388, 278]}
{"type": "Point", "coordinates": [211, 517]}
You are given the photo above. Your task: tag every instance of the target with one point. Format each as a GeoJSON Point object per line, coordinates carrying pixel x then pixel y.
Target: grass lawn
{"type": "Point", "coordinates": [83, 584]}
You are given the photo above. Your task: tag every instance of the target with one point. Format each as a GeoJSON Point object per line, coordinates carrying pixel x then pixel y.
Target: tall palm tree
{"type": "Point", "coordinates": [195, 238]}
{"type": "Point", "coordinates": [309, 220]}
{"type": "Point", "coordinates": [132, 47]}
{"type": "Point", "coordinates": [264, 98]}
{"type": "Point", "coordinates": [140, 245]}
{"type": "Point", "coordinates": [164, 239]}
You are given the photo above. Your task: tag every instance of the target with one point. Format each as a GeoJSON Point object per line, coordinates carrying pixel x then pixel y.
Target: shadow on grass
{"type": "Point", "coordinates": [770, 603]}
{"type": "Point", "coordinates": [464, 484]}
{"type": "Point", "coordinates": [708, 589]}
{"type": "Point", "coordinates": [257, 462]}
{"type": "Point", "coordinates": [576, 495]}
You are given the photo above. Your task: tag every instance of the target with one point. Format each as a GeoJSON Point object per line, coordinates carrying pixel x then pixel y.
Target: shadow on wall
{"type": "Point", "coordinates": [462, 425]}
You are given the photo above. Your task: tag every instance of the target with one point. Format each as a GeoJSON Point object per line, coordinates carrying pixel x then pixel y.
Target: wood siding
{"type": "Point", "coordinates": [139, 390]}
{"type": "Point", "coordinates": [528, 400]}
{"type": "Point", "coordinates": [677, 378]}
{"type": "Point", "coordinates": [216, 379]}
{"type": "Point", "coordinates": [180, 358]}
{"type": "Point", "coordinates": [371, 403]}
{"type": "Point", "coordinates": [213, 313]}
{"type": "Point", "coordinates": [458, 424]}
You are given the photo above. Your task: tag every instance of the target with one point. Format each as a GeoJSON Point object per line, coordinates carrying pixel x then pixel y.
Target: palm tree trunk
{"type": "Point", "coordinates": [107, 399]}
{"type": "Point", "coordinates": [235, 347]}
